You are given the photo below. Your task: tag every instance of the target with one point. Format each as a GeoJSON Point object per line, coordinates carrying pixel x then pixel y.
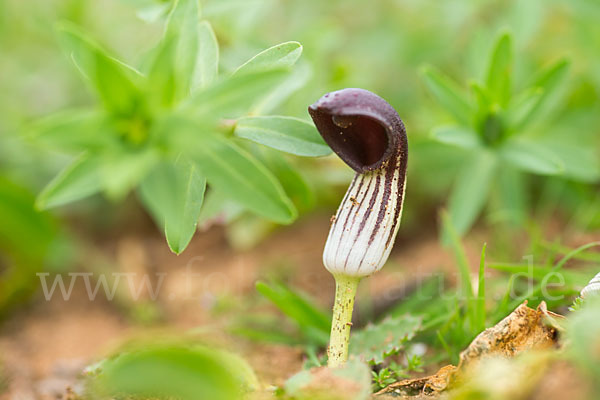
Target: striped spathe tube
{"type": "Point", "coordinates": [368, 135]}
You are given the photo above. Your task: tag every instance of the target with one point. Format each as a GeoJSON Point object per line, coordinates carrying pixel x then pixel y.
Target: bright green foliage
{"type": "Point", "coordinates": [236, 173]}
{"type": "Point", "coordinates": [281, 56]}
{"type": "Point", "coordinates": [497, 125]}
{"type": "Point", "coordinates": [378, 341]}
{"type": "Point", "coordinates": [288, 134]}
{"type": "Point", "coordinates": [27, 238]}
{"type": "Point", "coordinates": [165, 130]}
{"type": "Point", "coordinates": [80, 179]}
{"type": "Point", "coordinates": [294, 183]}
{"type": "Point", "coordinates": [207, 68]}
{"type": "Point", "coordinates": [174, 371]}
{"type": "Point", "coordinates": [173, 193]}
{"type": "Point", "coordinates": [471, 189]}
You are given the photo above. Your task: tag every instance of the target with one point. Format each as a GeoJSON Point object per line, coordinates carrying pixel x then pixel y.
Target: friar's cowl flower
{"type": "Point", "coordinates": [368, 135]}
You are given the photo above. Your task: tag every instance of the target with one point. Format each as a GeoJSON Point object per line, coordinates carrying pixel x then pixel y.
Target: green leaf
{"type": "Point", "coordinates": [152, 13]}
{"type": "Point", "coordinates": [183, 29]}
{"type": "Point", "coordinates": [173, 193]}
{"type": "Point", "coordinates": [186, 60]}
{"type": "Point", "coordinates": [522, 109]}
{"type": "Point", "coordinates": [532, 157]}
{"type": "Point", "coordinates": [183, 17]}
{"type": "Point", "coordinates": [456, 136]}
{"type": "Point", "coordinates": [499, 73]}
{"type": "Point", "coordinates": [294, 184]}
{"type": "Point", "coordinates": [218, 207]}
{"type": "Point", "coordinates": [533, 103]}
{"type": "Point", "coordinates": [247, 231]}
{"type": "Point", "coordinates": [580, 161]}
{"type": "Point", "coordinates": [24, 230]}
{"type": "Point", "coordinates": [288, 134]}
{"type": "Point", "coordinates": [283, 55]}
{"type": "Point", "coordinates": [237, 174]}
{"type": "Point", "coordinates": [80, 179]}
{"type": "Point", "coordinates": [376, 342]}
{"type": "Point", "coordinates": [172, 371]}
{"type": "Point", "coordinates": [207, 63]}
{"type": "Point", "coordinates": [512, 196]}
{"type": "Point", "coordinates": [162, 77]}
{"type": "Point", "coordinates": [471, 190]}
{"type": "Point", "coordinates": [482, 95]}
{"type": "Point", "coordinates": [449, 94]}
{"type": "Point", "coordinates": [295, 81]}
{"type": "Point", "coordinates": [550, 81]}
{"type": "Point", "coordinates": [309, 318]}
{"type": "Point", "coordinates": [27, 239]}
{"type": "Point", "coordinates": [112, 80]}
{"type": "Point", "coordinates": [72, 130]}
{"type": "Point", "coordinates": [121, 171]}
{"type": "Point", "coordinates": [232, 97]}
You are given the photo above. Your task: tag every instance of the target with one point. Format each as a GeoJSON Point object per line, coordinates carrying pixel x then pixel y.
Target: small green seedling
{"type": "Point", "coordinates": [383, 378]}
{"type": "Point", "coordinates": [395, 372]}
{"type": "Point", "coordinates": [177, 125]}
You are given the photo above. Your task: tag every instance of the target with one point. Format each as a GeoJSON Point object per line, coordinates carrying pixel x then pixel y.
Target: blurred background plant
{"type": "Point", "coordinates": [493, 125]}
{"type": "Point", "coordinates": [341, 42]}
{"type": "Point", "coordinates": [159, 130]}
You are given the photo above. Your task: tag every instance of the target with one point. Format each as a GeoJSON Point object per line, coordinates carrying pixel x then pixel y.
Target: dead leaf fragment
{"type": "Point", "coordinates": [427, 385]}
{"type": "Point", "coordinates": [524, 329]}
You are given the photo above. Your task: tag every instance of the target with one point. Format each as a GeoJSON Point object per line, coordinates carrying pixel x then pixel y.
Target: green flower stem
{"type": "Point", "coordinates": [345, 292]}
